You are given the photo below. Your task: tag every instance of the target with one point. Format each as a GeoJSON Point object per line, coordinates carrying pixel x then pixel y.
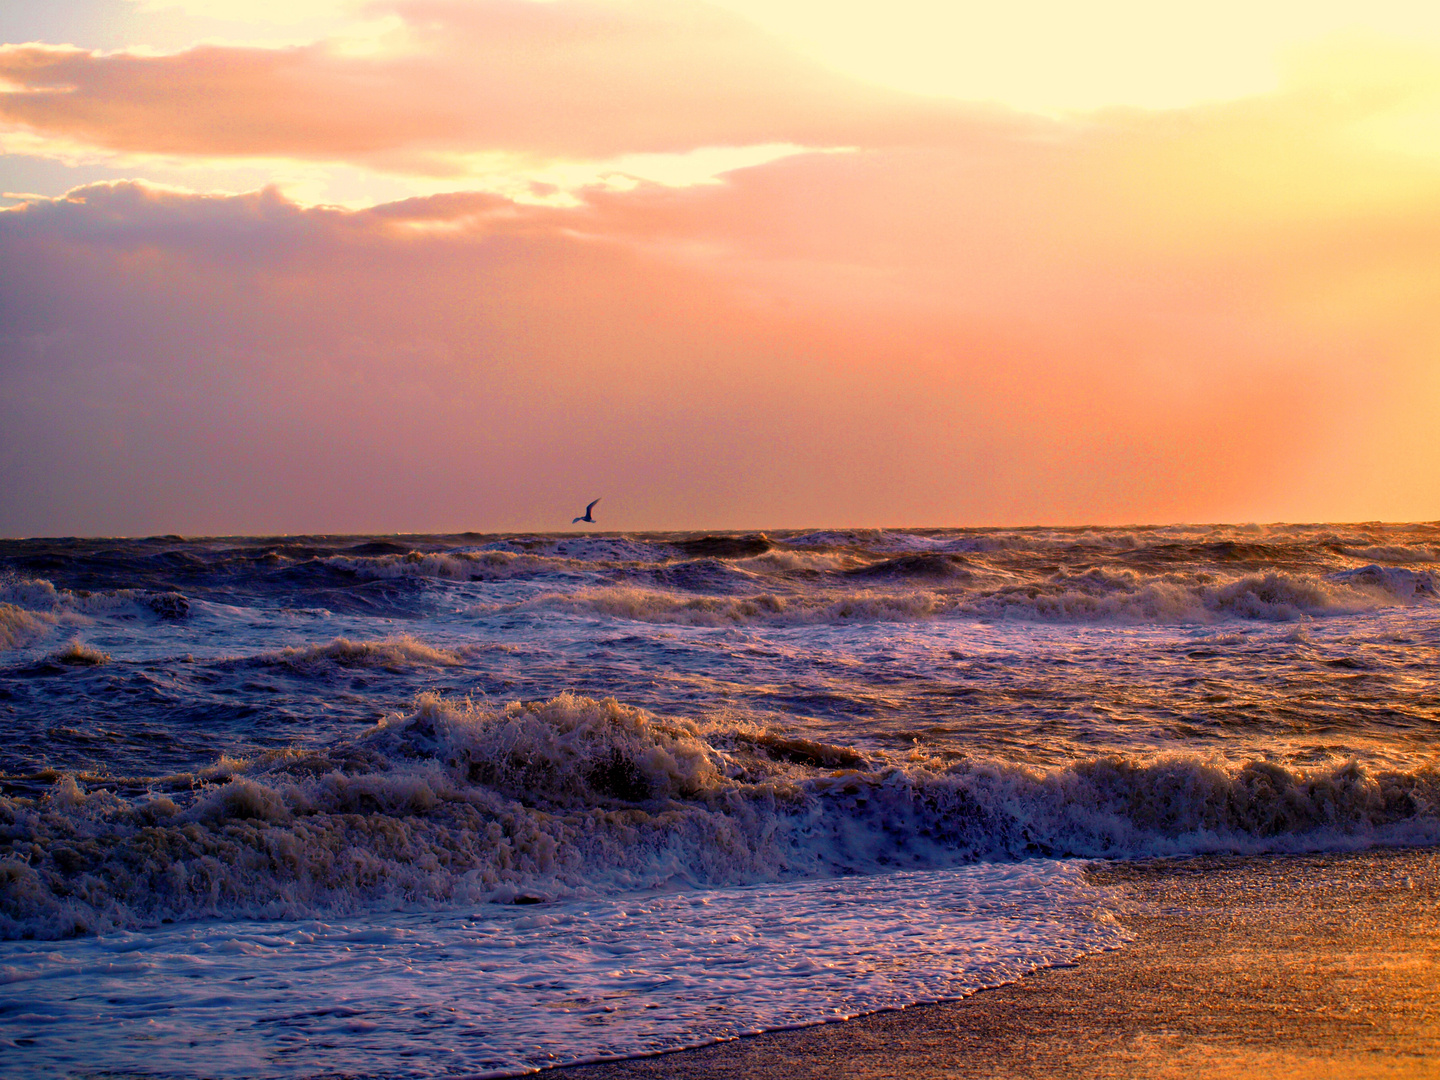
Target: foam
{"type": "Point", "coordinates": [613, 549]}
{"type": "Point", "coordinates": [485, 565]}
{"type": "Point", "coordinates": [34, 594]}
{"type": "Point", "coordinates": [503, 990]}
{"type": "Point", "coordinates": [19, 627]}
{"type": "Point", "coordinates": [1389, 581]}
{"type": "Point", "coordinates": [458, 802]}
{"type": "Point", "coordinates": [1101, 595]}
{"type": "Point", "coordinates": [77, 654]}
{"type": "Point", "coordinates": [658, 606]}
{"type": "Point", "coordinates": [784, 560]}
{"type": "Point", "coordinates": [76, 608]}
{"type": "Point", "coordinates": [1098, 595]}
{"type": "Point", "coordinates": [1395, 553]}
{"type": "Point", "coordinates": [395, 653]}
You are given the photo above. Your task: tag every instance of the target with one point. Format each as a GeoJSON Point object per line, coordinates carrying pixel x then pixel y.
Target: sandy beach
{"type": "Point", "coordinates": [1300, 966]}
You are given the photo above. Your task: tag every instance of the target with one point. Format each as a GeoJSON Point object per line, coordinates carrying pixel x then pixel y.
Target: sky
{"type": "Point", "coordinates": [444, 265]}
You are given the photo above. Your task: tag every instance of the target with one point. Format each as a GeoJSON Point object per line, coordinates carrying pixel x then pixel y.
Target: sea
{"type": "Point", "coordinates": [477, 805]}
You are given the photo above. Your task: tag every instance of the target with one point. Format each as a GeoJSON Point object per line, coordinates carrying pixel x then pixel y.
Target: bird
{"type": "Point", "coordinates": [587, 516]}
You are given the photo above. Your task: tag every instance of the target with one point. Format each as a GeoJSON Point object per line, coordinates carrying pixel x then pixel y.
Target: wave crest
{"type": "Point", "coordinates": [656, 606]}
{"type": "Point", "coordinates": [395, 653]}
{"type": "Point", "coordinates": [19, 627]}
{"type": "Point", "coordinates": [1096, 595]}
{"type": "Point", "coordinates": [460, 802]}
{"type": "Point", "coordinates": [493, 565]}
{"type": "Point", "coordinates": [74, 608]}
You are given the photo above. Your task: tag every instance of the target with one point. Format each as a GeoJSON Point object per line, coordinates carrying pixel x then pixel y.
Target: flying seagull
{"type": "Point", "coordinates": [587, 516]}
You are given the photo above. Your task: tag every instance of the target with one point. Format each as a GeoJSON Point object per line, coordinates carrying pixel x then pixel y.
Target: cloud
{"type": "Point", "coordinates": [1217, 313]}
{"type": "Point", "coordinates": [568, 80]}
{"type": "Point", "coordinates": [747, 354]}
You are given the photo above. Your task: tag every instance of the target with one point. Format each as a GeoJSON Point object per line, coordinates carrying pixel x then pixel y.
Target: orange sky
{"type": "Point", "coordinates": [464, 264]}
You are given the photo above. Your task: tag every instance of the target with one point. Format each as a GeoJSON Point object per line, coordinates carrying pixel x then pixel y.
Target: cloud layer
{"type": "Point", "coordinates": [1221, 312]}
{"type": "Point", "coordinates": [566, 80]}
{"type": "Point", "coordinates": [741, 355]}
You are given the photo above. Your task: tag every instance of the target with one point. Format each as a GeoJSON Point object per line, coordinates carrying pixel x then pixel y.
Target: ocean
{"type": "Point", "coordinates": [419, 806]}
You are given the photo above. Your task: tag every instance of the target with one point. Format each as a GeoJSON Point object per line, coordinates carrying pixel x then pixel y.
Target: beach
{"type": "Point", "coordinates": [1295, 966]}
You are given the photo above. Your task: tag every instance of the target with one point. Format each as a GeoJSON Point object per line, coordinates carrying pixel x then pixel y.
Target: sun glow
{"type": "Point", "coordinates": [1057, 56]}
{"type": "Point", "coordinates": [1043, 55]}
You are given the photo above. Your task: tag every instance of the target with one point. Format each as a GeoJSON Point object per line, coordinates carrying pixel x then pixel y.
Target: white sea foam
{"type": "Point", "coordinates": [450, 565]}
{"type": "Point", "coordinates": [664, 606]}
{"type": "Point", "coordinates": [36, 595]}
{"type": "Point", "coordinates": [1389, 581]}
{"type": "Point", "coordinates": [19, 627]}
{"type": "Point", "coordinates": [77, 654]}
{"type": "Point", "coordinates": [458, 803]}
{"type": "Point", "coordinates": [401, 651]}
{"type": "Point", "coordinates": [934, 591]}
{"type": "Point", "coordinates": [75, 608]}
{"type": "Point", "coordinates": [786, 560]}
{"type": "Point", "coordinates": [503, 990]}
{"type": "Point", "coordinates": [1396, 553]}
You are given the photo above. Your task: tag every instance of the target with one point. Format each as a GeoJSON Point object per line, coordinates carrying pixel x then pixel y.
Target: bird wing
{"type": "Point", "coordinates": [590, 507]}
{"type": "Point", "coordinates": [577, 519]}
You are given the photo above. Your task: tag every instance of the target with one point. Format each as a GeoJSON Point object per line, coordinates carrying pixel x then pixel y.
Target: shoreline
{"type": "Point", "coordinates": [1295, 966]}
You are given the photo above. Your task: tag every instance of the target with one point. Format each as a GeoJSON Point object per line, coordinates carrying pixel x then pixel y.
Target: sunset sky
{"type": "Point", "coordinates": [412, 265]}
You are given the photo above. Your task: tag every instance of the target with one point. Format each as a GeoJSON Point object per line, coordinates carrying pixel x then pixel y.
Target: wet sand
{"type": "Point", "coordinates": [1302, 966]}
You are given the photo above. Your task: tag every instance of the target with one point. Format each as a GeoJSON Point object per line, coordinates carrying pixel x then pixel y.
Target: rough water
{"type": "Point", "coordinates": [416, 806]}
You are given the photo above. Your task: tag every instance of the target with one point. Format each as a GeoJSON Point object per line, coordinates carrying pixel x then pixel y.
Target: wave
{"type": "Point", "coordinates": [457, 802]}
{"type": "Point", "coordinates": [658, 606]}
{"type": "Point", "coordinates": [726, 547]}
{"type": "Point", "coordinates": [1389, 581]}
{"type": "Point", "coordinates": [33, 594]}
{"type": "Point", "coordinates": [636, 547]}
{"type": "Point", "coordinates": [19, 627]}
{"type": "Point", "coordinates": [801, 562]}
{"type": "Point", "coordinates": [1126, 596]}
{"type": "Point", "coordinates": [1395, 553]}
{"type": "Point", "coordinates": [709, 575]}
{"type": "Point", "coordinates": [31, 610]}
{"type": "Point", "coordinates": [872, 539]}
{"type": "Point", "coordinates": [494, 565]}
{"type": "Point", "coordinates": [1096, 595]}
{"type": "Point", "coordinates": [1185, 569]}
{"type": "Point", "coordinates": [37, 595]}
{"type": "Point", "coordinates": [394, 653]}
{"type": "Point", "coordinates": [907, 567]}
{"type": "Point", "coordinates": [77, 654]}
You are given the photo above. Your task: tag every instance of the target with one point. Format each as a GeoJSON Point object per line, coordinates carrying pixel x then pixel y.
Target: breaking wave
{"type": "Point", "coordinates": [1396, 553]}
{"type": "Point", "coordinates": [457, 802]}
{"type": "Point", "coordinates": [905, 567]}
{"type": "Point", "coordinates": [658, 606]}
{"type": "Point", "coordinates": [77, 654]}
{"type": "Point", "coordinates": [449, 565]}
{"type": "Point", "coordinates": [396, 653]}
{"type": "Point", "coordinates": [75, 608]}
{"type": "Point", "coordinates": [1127, 596]}
{"type": "Point", "coordinates": [1096, 595]}
{"type": "Point", "coordinates": [19, 627]}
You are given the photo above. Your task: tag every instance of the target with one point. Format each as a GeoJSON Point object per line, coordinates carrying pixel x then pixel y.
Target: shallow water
{"type": "Point", "coordinates": [402, 735]}
{"type": "Point", "coordinates": [508, 989]}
